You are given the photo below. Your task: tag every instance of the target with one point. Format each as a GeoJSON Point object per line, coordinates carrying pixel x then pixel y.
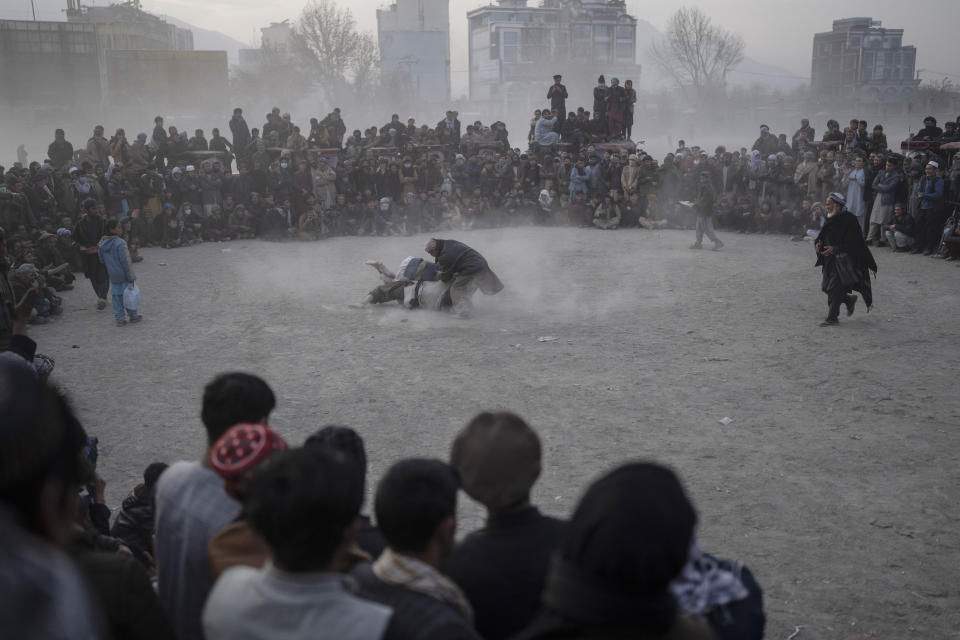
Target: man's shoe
{"type": "Point", "coordinates": [916, 251]}
{"type": "Point", "coordinates": [870, 243]}
{"type": "Point", "coordinates": [717, 245]}
{"type": "Point", "coordinates": [851, 305]}
{"type": "Point", "coordinates": [830, 322]}
{"type": "Point", "coordinates": [121, 323]}
{"type": "Point", "coordinates": [101, 304]}
{"type": "Point", "coordinates": [696, 245]}
{"type": "Point", "coordinates": [136, 319]}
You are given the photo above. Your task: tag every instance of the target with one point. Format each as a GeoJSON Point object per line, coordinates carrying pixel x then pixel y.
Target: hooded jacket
{"type": "Point", "coordinates": [113, 254]}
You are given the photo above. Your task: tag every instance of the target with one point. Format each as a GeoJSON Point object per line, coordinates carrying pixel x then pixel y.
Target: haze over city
{"type": "Point", "coordinates": [778, 33]}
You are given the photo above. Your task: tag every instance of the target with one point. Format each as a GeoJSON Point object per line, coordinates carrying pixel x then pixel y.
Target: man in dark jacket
{"type": "Point", "coordinates": [503, 566]}
{"type": "Point", "coordinates": [557, 95]}
{"type": "Point", "coordinates": [416, 506]}
{"type": "Point", "coordinates": [60, 151]}
{"type": "Point", "coordinates": [240, 132]}
{"type": "Point", "coordinates": [89, 230]}
{"type": "Point", "coordinates": [465, 270]}
{"type": "Point", "coordinates": [845, 258]}
{"type": "Point", "coordinates": [134, 524]}
{"type": "Point", "coordinates": [704, 208]}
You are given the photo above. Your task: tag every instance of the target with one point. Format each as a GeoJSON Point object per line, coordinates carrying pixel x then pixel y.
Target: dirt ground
{"type": "Point", "coordinates": [837, 480]}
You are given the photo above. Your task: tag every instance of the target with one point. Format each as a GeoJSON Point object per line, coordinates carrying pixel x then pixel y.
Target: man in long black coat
{"type": "Point", "coordinates": [845, 258]}
{"type": "Point", "coordinates": [465, 270]}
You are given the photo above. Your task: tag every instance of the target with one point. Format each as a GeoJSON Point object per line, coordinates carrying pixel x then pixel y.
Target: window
{"type": "Point", "coordinates": [601, 33]}
{"type": "Point", "coordinates": [510, 45]}
{"type": "Point", "coordinates": [581, 31]}
{"type": "Point", "coordinates": [625, 50]}
{"type": "Point", "coordinates": [624, 32]}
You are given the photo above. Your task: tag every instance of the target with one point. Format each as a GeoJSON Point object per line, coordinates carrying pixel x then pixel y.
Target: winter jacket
{"type": "Point", "coordinates": [457, 258]}
{"type": "Point", "coordinates": [886, 183]}
{"type": "Point", "coordinates": [113, 254]}
{"type": "Point", "coordinates": [134, 523]}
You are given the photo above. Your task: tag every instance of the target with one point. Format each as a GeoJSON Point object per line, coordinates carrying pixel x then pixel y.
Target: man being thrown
{"type": "Point", "coordinates": [416, 284]}
{"type": "Point", "coordinates": [465, 271]}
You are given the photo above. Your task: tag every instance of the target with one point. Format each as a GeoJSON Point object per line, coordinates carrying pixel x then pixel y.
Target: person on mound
{"type": "Point", "coordinates": [416, 284]}
{"type": "Point", "coordinates": [845, 258]}
{"type": "Point", "coordinates": [464, 270]}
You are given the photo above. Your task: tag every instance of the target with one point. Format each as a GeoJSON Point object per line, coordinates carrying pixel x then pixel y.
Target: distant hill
{"type": "Point", "coordinates": [206, 40]}
{"type": "Point", "coordinates": [748, 72]}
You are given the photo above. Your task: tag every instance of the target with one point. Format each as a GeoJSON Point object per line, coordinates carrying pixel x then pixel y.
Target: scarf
{"type": "Point", "coordinates": [394, 568]}
{"type": "Point", "coordinates": [705, 583]}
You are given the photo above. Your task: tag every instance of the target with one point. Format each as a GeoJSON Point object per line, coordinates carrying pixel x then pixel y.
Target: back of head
{"type": "Point", "coordinates": [342, 439]}
{"type": "Point", "coordinates": [41, 443]}
{"type": "Point", "coordinates": [629, 537]}
{"type": "Point", "coordinates": [413, 498]}
{"type": "Point", "coordinates": [301, 501]}
{"type": "Point", "coordinates": [497, 456]}
{"type": "Point", "coordinates": [152, 473]}
{"type": "Point", "coordinates": [232, 398]}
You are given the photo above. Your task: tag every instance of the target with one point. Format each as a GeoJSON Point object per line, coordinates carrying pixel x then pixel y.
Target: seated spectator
{"type": "Point", "coordinates": [192, 505]}
{"type": "Point", "coordinates": [502, 567]}
{"type": "Point", "coordinates": [899, 229]}
{"type": "Point", "coordinates": [629, 538]}
{"type": "Point", "coordinates": [951, 240]}
{"type": "Point", "coordinates": [416, 506]}
{"type": "Point", "coordinates": [304, 504]}
{"type": "Point", "coordinates": [41, 471]}
{"type": "Point", "coordinates": [349, 443]}
{"type": "Point", "coordinates": [134, 524]}
{"type": "Point", "coordinates": [235, 456]}
{"type": "Point", "coordinates": [930, 130]}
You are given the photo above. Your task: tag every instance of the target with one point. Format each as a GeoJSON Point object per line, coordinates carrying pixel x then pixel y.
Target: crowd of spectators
{"type": "Point", "coordinates": [170, 189]}
{"type": "Point", "coordinates": [264, 539]}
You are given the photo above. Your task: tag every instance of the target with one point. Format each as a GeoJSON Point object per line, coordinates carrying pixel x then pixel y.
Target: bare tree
{"type": "Point", "coordinates": [696, 53]}
{"type": "Point", "coordinates": [365, 67]}
{"type": "Point", "coordinates": [326, 37]}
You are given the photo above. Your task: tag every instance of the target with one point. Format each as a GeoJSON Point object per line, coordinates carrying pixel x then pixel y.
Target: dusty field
{"type": "Point", "coordinates": [837, 480]}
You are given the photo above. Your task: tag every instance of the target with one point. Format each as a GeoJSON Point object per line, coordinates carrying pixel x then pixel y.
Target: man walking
{"type": "Point", "coordinates": [845, 258]}
{"type": "Point", "coordinates": [115, 257]}
{"type": "Point", "coordinates": [88, 232]}
{"type": "Point", "coordinates": [465, 270]}
{"type": "Point", "coordinates": [704, 209]}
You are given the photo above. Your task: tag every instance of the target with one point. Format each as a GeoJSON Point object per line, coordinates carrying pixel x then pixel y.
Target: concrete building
{"type": "Point", "coordinates": [44, 61]}
{"type": "Point", "coordinates": [275, 39]}
{"type": "Point", "coordinates": [125, 26]}
{"type": "Point", "coordinates": [516, 49]}
{"type": "Point", "coordinates": [414, 39]}
{"type": "Point", "coordinates": [860, 62]}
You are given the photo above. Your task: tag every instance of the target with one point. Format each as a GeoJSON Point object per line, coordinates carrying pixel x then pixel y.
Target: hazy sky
{"type": "Point", "coordinates": [777, 32]}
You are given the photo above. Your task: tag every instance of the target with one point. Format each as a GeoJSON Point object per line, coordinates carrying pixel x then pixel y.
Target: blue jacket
{"type": "Point", "coordinates": [930, 192]}
{"type": "Point", "coordinates": [113, 254]}
{"type": "Point", "coordinates": [885, 183]}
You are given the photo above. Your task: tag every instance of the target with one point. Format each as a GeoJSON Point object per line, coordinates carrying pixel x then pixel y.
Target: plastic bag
{"type": "Point", "coordinates": [131, 298]}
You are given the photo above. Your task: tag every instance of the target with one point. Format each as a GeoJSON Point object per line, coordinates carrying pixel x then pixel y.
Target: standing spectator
{"type": "Point", "coordinates": [854, 179]}
{"type": "Point", "coordinates": [416, 506]}
{"type": "Point", "coordinates": [886, 183]}
{"type": "Point", "coordinates": [240, 133]}
{"type": "Point", "coordinates": [629, 107]}
{"type": "Point", "coordinates": [557, 95]}
{"type": "Point", "coordinates": [503, 566]}
{"type": "Point", "coordinates": [931, 212]}
{"type": "Point", "coordinates": [158, 142]}
{"type": "Point", "coordinates": [98, 147]}
{"type": "Point", "coordinates": [304, 504]}
{"type": "Point", "coordinates": [89, 230]}
{"type": "Point", "coordinates": [600, 94]}
{"type": "Point", "coordinates": [60, 152]}
{"type": "Point", "coordinates": [115, 257]}
{"type": "Point", "coordinates": [629, 537]}
{"type": "Point", "coordinates": [192, 505]}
